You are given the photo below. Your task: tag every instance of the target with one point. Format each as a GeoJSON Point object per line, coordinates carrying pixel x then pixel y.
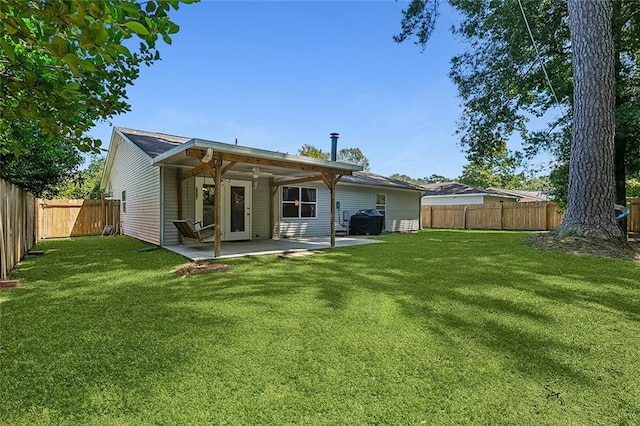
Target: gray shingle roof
{"type": "Point", "coordinates": [456, 188]}
{"type": "Point", "coordinates": [153, 144]}
{"type": "Point", "coordinates": [368, 178]}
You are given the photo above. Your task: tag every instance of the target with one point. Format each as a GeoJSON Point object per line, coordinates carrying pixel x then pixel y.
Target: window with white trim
{"type": "Point", "coordinates": [299, 202]}
{"type": "Point", "coordinates": [381, 206]}
{"type": "Point", "coordinates": [123, 201]}
{"type": "Point", "coordinates": [381, 202]}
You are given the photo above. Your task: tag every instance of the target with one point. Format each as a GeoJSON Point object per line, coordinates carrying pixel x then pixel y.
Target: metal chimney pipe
{"type": "Point", "coordinates": [334, 145]}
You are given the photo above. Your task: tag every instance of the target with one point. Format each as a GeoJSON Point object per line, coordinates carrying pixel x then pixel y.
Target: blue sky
{"type": "Point", "coordinates": [277, 75]}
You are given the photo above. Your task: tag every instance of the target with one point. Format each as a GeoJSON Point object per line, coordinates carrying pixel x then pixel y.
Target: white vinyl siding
{"type": "Point", "coordinates": [170, 185]}
{"type": "Point", "coordinates": [132, 172]}
{"type": "Point", "coordinates": [402, 207]}
{"type": "Point", "coordinates": [306, 226]}
{"type": "Point", "coordinates": [260, 210]}
{"type": "Point", "coordinates": [402, 210]}
{"type": "Point", "coordinates": [456, 200]}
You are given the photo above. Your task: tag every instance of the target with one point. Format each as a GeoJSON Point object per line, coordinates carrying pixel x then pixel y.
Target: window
{"type": "Point", "coordinates": [123, 201]}
{"type": "Point", "coordinates": [381, 206]}
{"type": "Point", "coordinates": [381, 202]}
{"type": "Point", "coordinates": [298, 202]}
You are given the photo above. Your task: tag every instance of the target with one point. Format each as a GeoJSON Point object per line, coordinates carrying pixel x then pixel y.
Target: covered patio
{"type": "Point", "coordinates": [222, 163]}
{"type": "Point", "coordinates": [204, 251]}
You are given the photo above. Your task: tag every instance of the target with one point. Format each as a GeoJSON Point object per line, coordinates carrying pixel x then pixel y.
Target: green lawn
{"type": "Point", "coordinates": [439, 327]}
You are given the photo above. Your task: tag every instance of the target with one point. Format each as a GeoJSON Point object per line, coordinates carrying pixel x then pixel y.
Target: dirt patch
{"type": "Point", "coordinates": [586, 246]}
{"type": "Point", "coordinates": [201, 268]}
{"type": "Point", "coordinates": [295, 254]}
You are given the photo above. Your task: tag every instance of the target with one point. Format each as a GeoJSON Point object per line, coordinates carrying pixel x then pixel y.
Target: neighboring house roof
{"type": "Point", "coordinates": [524, 196]}
{"type": "Point", "coordinates": [447, 189]}
{"type": "Point", "coordinates": [368, 178]}
{"type": "Point", "coordinates": [161, 146]}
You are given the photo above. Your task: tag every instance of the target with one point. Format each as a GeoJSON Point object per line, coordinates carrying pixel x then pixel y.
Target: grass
{"type": "Point", "coordinates": [439, 327]}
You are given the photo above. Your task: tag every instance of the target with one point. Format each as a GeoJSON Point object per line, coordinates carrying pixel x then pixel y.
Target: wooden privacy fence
{"type": "Point", "coordinates": [17, 225]}
{"type": "Point", "coordinates": [633, 222]}
{"type": "Point", "coordinates": [539, 216]}
{"type": "Point", "coordinates": [74, 218]}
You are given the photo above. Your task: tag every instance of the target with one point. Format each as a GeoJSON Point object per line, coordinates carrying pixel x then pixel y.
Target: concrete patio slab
{"type": "Point", "coordinates": [231, 249]}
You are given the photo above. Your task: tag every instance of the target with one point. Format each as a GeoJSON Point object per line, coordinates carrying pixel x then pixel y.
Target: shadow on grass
{"type": "Point", "coordinates": [94, 315]}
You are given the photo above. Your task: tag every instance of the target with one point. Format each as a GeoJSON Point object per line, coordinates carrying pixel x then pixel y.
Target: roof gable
{"type": "Point", "coordinates": [152, 144]}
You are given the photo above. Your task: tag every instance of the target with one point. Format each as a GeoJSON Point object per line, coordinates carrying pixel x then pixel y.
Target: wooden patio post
{"type": "Point", "coordinates": [272, 219]}
{"type": "Point", "coordinates": [179, 176]}
{"type": "Point", "coordinates": [217, 179]}
{"type": "Point", "coordinates": [332, 188]}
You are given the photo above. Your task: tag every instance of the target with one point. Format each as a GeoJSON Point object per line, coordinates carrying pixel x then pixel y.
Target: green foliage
{"type": "Point", "coordinates": [436, 328]}
{"type": "Point", "coordinates": [434, 178]}
{"type": "Point", "coordinates": [65, 65]}
{"type": "Point", "coordinates": [497, 171]}
{"type": "Point", "coordinates": [503, 85]}
{"type": "Point", "coordinates": [633, 188]}
{"type": "Point", "coordinates": [85, 184]}
{"type": "Point", "coordinates": [353, 156]}
{"type": "Point", "coordinates": [312, 151]}
{"type": "Point", "coordinates": [345, 155]}
{"type": "Point", "coordinates": [44, 164]}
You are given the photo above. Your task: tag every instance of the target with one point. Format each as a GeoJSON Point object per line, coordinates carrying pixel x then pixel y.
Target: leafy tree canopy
{"type": "Point", "coordinates": [64, 65]}
{"type": "Point", "coordinates": [503, 84]}
{"type": "Point", "coordinates": [345, 155]}
{"type": "Point", "coordinates": [84, 184]}
{"type": "Point", "coordinates": [434, 178]}
{"type": "Point", "coordinates": [44, 164]}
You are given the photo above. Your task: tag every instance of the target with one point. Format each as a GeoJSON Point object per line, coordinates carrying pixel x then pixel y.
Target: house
{"type": "Point", "coordinates": [454, 193]}
{"type": "Point", "coordinates": [524, 196]}
{"type": "Point", "coordinates": [263, 194]}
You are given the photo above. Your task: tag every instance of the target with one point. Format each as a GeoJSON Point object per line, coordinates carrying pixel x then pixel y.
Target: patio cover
{"type": "Point", "coordinates": [200, 157]}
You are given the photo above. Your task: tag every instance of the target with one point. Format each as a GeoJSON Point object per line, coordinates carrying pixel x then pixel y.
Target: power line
{"type": "Point", "coordinates": [535, 47]}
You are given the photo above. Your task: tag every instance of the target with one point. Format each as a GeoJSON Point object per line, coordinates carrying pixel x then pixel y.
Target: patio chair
{"type": "Point", "coordinates": [202, 234]}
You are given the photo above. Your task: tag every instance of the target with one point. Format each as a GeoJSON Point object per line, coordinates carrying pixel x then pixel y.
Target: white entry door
{"type": "Point", "coordinates": [235, 209]}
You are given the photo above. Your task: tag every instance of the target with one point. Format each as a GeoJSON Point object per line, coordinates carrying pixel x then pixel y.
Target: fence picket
{"type": "Point", "coordinates": [536, 216]}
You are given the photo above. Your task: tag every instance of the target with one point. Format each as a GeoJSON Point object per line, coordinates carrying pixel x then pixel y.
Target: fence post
{"type": "Point", "coordinates": [464, 218]}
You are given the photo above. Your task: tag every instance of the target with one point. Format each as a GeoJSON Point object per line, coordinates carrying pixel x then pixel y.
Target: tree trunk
{"type": "Point", "coordinates": [622, 135]}
{"type": "Point", "coordinates": [591, 168]}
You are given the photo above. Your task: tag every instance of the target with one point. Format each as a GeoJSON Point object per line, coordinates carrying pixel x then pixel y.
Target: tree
{"type": "Point", "coordinates": [500, 170]}
{"type": "Point", "coordinates": [345, 155]}
{"type": "Point", "coordinates": [312, 151]}
{"type": "Point", "coordinates": [353, 156]}
{"type": "Point", "coordinates": [44, 164]}
{"type": "Point", "coordinates": [503, 83]}
{"type": "Point", "coordinates": [85, 184]}
{"type": "Point", "coordinates": [64, 65]}
{"type": "Point", "coordinates": [591, 174]}
{"type": "Point", "coordinates": [434, 178]}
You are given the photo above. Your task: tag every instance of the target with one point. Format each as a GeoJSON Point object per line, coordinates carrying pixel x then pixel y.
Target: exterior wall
{"type": "Point", "coordinates": [132, 172]}
{"type": "Point", "coordinates": [452, 200]}
{"type": "Point", "coordinates": [260, 210]}
{"type": "Point", "coordinates": [260, 205]}
{"type": "Point", "coordinates": [402, 212]}
{"type": "Point", "coordinates": [402, 208]}
{"type": "Point", "coordinates": [497, 199]}
{"type": "Point", "coordinates": [170, 204]}
{"type": "Point", "coordinates": [306, 227]}
{"type": "Point", "coordinates": [457, 200]}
